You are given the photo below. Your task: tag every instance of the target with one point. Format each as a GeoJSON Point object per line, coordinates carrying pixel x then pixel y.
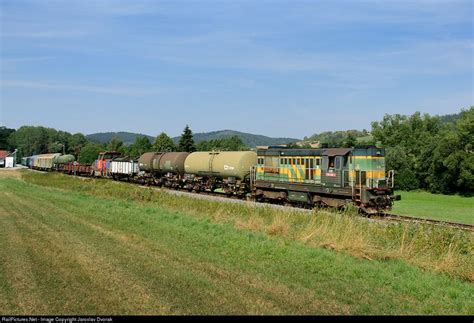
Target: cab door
{"type": "Point", "coordinates": [332, 171]}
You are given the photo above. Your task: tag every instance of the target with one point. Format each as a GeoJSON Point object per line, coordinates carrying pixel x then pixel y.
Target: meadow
{"type": "Point", "coordinates": [453, 208]}
{"type": "Point", "coordinates": [83, 246]}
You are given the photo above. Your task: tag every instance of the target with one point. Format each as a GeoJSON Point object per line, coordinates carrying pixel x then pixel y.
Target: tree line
{"type": "Point", "coordinates": [31, 140]}
{"type": "Point", "coordinates": [427, 152]}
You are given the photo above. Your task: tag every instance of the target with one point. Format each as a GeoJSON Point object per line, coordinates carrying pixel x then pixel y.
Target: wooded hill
{"type": "Point", "coordinates": [249, 140]}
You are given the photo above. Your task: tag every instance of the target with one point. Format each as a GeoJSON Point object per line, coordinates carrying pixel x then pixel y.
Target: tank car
{"type": "Point", "coordinates": [163, 168]}
{"type": "Point", "coordinates": [59, 162]}
{"type": "Point", "coordinates": [228, 171]}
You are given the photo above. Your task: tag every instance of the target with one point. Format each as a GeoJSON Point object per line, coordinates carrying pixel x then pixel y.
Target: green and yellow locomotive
{"type": "Point", "coordinates": [325, 177]}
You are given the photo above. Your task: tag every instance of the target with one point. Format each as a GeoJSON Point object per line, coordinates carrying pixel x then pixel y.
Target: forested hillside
{"type": "Point", "coordinates": [248, 139]}
{"type": "Point", "coordinates": [127, 138]}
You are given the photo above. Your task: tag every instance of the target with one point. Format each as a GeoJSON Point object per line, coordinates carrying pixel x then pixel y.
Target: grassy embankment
{"type": "Point", "coordinates": [453, 208]}
{"type": "Point", "coordinates": [113, 248]}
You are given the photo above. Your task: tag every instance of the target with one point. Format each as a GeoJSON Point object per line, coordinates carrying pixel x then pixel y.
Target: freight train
{"type": "Point", "coordinates": [327, 177]}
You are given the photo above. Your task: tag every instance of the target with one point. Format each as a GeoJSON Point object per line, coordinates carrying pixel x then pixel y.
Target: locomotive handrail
{"type": "Point", "coordinates": [391, 178]}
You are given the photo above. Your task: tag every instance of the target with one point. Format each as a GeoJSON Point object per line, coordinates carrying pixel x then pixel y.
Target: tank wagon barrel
{"type": "Point", "coordinates": [163, 162]}
{"type": "Point", "coordinates": [227, 171]}
{"type": "Point", "coordinates": [163, 168]}
{"type": "Point", "coordinates": [221, 164]}
{"type": "Point", "coordinates": [64, 159]}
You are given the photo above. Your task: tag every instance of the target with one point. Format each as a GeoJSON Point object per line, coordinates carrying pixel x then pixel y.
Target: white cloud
{"type": "Point", "coordinates": [81, 88]}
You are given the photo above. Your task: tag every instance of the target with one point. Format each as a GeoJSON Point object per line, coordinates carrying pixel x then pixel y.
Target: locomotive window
{"type": "Point", "coordinates": [338, 162]}
{"type": "Point", "coordinates": [311, 163]}
{"type": "Point", "coordinates": [331, 162]}
{"type": "Point", "coordinates": [318, 161]}
{"type": "Point", "coordinates": [286, 161]}
{"type": "Point", "coordinates": [294, 161]}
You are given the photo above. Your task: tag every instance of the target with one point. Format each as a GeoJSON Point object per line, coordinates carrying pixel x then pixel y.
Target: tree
{"type": "Point", "coordinates": [232, 143]}
{"type": "Point", "coordinates": [164, 143]}
{"type": "Point", "coordinates": [350, 140]}
{"type": "Point", "coordinates": [452, 165]}
{"type": "Point", "coordinates": [5, 134]}
{"type": "Point", "coordinates": [115, 144]}
{"type": "Point", "coordinates": [405, 178]}
{"type": "Point", "coordinates": [186, 142]}
{"type": "Point", "coordinates": [76, 142]}
{"type": "Point", "coordinates": [139, 147]}
{"type": "Point", "coordinates": [29, 140]}
{"type": "Point", "coordinates": [90, 152]}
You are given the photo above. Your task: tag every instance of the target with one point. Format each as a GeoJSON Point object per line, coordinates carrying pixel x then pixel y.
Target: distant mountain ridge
{"type": "Point", "coordinates": [251, 140]}
{"type": "Point", "coordinates": [127, 137]}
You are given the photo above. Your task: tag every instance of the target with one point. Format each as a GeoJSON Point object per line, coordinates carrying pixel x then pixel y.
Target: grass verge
{"type": "Point", "coordinates": [436, 248]}
{"type": "Point", "coordinates": [453, 208]}
{"type": "Point", "coordinates": [72, 251]}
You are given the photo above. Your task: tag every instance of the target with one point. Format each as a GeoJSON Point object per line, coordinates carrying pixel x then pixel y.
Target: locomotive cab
{"type": "Point", "coordinates": [372, 187]}
{"type": "Point", "coordinates": [101, 167]}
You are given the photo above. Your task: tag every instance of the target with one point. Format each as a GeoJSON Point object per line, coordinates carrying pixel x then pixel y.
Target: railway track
{"type": "Point", "coordinates": [387, 217]}
{"type": "Point", "coordinates": [404, 218]}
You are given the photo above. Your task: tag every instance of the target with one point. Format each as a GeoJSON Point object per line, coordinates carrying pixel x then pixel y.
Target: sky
{"type": "Point", "coordinates": [277, 68]}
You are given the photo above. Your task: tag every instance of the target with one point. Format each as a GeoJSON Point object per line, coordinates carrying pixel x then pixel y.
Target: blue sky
{"type": "Point", "coordinates": [278, 68]}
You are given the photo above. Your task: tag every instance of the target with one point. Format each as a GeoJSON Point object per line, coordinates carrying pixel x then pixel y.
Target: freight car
{"type": "Point", "coordinates": [44, 161]}
{"type": "Point", "coordinates": [60, 162]}
{"type": "Point", "coordinates": [228, 171]}
{"type": "Point", "coordinates": [163, 168]}
{"type": "Point", "coordinates": [78, 169]}
{"type": "Point", "coordinates": [124, 168]}
{"type": "Point", "coordinates": [324, 177]}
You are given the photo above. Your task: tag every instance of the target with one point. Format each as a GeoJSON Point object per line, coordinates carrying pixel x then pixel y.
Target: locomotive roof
{"type": "Point", "coordinates": [285, 151]}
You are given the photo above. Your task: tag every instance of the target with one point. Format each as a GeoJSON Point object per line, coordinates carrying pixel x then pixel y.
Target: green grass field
{"type": "Point", "coordinates": [453, 208]}
{"type": "Point", "coordinates": [66, 252]}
